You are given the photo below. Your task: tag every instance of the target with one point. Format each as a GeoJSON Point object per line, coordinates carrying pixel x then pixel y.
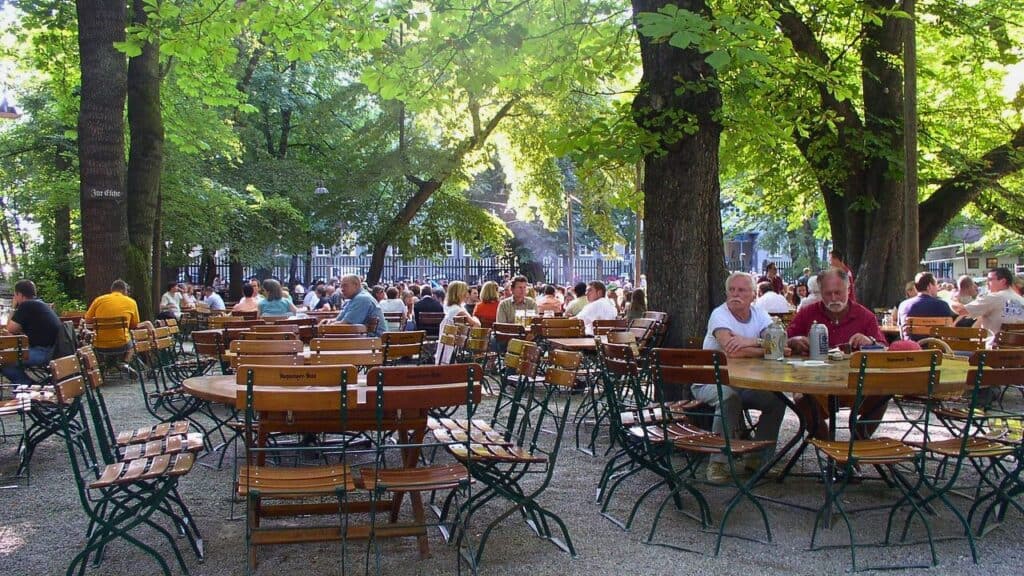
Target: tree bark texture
{"type": "Point", "coordinates": [683, 228]}
{"type": "Point", "coordinates": [145, 160]}
{"type": "Point", "coordinates": [860, 164]}
{"type": "Point", "coordinates": [101, 143]}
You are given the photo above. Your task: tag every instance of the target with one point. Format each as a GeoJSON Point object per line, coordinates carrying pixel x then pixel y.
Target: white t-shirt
{"type": "Point", "coordinates": [600, 309]}
{"type": "Point", "coordinates": [721, 317]}
{"type": "Point", "coordinates": [171, 302]}
{"type": "Point", "coordinates": [994, 308]}
{"type": "Point", "coordinates": [772, 302]}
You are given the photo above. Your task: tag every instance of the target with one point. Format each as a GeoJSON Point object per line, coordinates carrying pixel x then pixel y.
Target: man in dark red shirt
{"type": "Point", "coordinates": [847, 323]}
{"type": "Point", "coordinates": [771, 275]}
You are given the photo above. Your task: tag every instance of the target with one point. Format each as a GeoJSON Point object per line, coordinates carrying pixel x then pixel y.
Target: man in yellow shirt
{"type": "Point", "coordinates": [116, 304]}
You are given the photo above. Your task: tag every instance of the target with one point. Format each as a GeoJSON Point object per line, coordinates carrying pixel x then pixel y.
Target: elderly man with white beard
{"type": "Point", "coordinates": [737, 328]}
{"type": "Point", "coordinates": [848, 323]}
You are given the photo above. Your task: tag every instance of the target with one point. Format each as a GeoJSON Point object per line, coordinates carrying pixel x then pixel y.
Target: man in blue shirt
{"type": "Point", "coordinates": [361, 306]}
{"type": "Point", "coordinates": [925, 304]}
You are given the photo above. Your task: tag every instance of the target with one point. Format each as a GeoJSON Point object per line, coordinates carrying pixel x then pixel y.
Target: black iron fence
{"type": "Point", "coordinates": [472, 270]}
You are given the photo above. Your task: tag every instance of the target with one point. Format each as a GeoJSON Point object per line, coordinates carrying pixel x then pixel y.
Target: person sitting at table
{"type": "Point", "coordinates": [1001, 304]}
{"type": "Point", "coordinates": [637, 307]}
{"type": "Point", "coordinates": [36, 320]}
{"type": "Point", "coordinates": [848, 323]}
{"type": "Point", "coordinates": [455, 299]}
{"type": "Point", "coordinates": [548, 301]}
{"type": "Point", "coordinates": [320, 301]}
{"type": "Point", "coordinates": [769, 300]}
{"type": "Point", "coordinates": [393, 305]}
{"type": "Point", "coordinates": [213, 300]}
{"type": "Point", "coordinates": [925, 303]}
{"type": "Point", "coordinates": [114, 304]}
{"type": "Point", "coordinates": [487, 309]}
{"type": "Point", "coordinates": [598, 307]}
{"type": "Point", "coordinates": [360, 306]}
{"type": "Point", "coordinates": [275, 304]}
{"type": "Point", "coordinates": [813, 294]}
{"type": "Point", "coordinates": [248, 303]}
{"type": "Point", "coordinates": [518, 301]}
{"type": "Point", "coordinates": [736, 328]}
{"type": "Point", "coordinates": [312, 296]}
{"type": "Point", "coordinates": [428, 302]}
{"type": "Point", "coordinates": [576, 304]}
{"type": "Point", "coordinates": [771, 276]}
{"type": "Point", "coordinates": [170, 303]}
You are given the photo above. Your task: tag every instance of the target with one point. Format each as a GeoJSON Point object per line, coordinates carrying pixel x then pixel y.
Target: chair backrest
{"type": "Point", "coordinates": [430, 323]}
{"type": "Point", "coordinates": [961, 339]}
{"type": "Point", "coordinates": [912, 373]}
{"type": "Point", "coordinates": [293, 376]}
{"type": "Point", "coordinates": [345, 344]}
{"type": "Point", "coordinates": [251, 315]}
{"type": "Point", "coordinates": [1009, 339]}
{"type": "Point", "coordinates": [266, 347]}
{"type": "Point", "coordinates": [341, 331]}
{"type": "Point", "coordinates": [394, 320]}
{"type": "Point", "coordinates": [559, 328]}
{"type": "Point", "coordinates": [110, 327]}
{"type": "Point", "coordinates": [514, 353]}
{"type": "Point", "coordinates": [503, 332]}
{"type": "Point", "coordinates": [425, 387]}
{"type": "Point", "coordinates": [1012, 327]}
{"type": "Point", "coordinates": [273, 359]}
{"type": "Point", "coordinates": [208, 343]}
{"type": "Point", "coordinates": [13, 350]}
{"type": "Point", "coordinates": [293, 388]}
{"type": "Point", "coordinates": [602, 327]}
{"type": "Point", "coordinates": [402, 345]}
{"type": "Point", "coordinates": [563, 369]}
{"type": "Point", "coordinates": [293, 328]}
{"type": "Point", "coordinates": [922, 325]}
{"type": "Point", "coordinates": [479, 340]}
{"type": "Point", "coordinates": [84, 362]}
{"type": "Point", "coordinates": [251, 335]}
{"type": "Point", "coordinates": [658, 316]}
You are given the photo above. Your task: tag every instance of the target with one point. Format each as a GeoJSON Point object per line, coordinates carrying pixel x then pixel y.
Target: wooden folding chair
{"type": "Point", "coordinates": [274, 491]}
{"type": "Point", "coordinates": [963, 341]}
{"type": "Point", "coordinates": [340, 331]}
{"type": "Point", "coordinates": [909, 374]}
{"type": "Point", "coordinates": [403, 347]}
{"type": "Point", "coordinates": [918, 327]}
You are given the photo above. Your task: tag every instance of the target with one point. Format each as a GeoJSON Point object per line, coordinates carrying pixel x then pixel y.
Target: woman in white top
{"type": "Point", "coordinates": [456, 295]}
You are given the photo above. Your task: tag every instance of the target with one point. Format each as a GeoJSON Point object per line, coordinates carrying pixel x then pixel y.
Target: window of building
{"type": "Point", "coordinates": [449, 248]}
{"type": "Point", "coordinates": [583, 250]}
{"type": "Point", "coordinates": [972, 263]}
{"type": "Point", "coordinates": [322, 251]}
{"type": "Point", "coordinates": [991, 262]}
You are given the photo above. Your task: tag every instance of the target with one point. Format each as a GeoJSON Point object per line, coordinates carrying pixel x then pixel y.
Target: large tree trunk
{"type": "Point", "coordinates": [683, 232]}
{"type": "Point", "coordinates": [145, 160]}
{"type": "Point", "coordinates": [424, 190]}
{"type": "Point", "coordinates": [882, 259]}
{"type": "Point", "coordinates": [101, 143]}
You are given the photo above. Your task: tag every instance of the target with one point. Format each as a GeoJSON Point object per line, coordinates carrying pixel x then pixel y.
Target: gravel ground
{"type": "Point", "coordinates": [42, 527]}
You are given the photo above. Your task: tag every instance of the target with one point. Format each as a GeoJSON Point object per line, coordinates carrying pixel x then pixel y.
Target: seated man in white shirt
{"type": "Point", "coordinates": [736, 328]}
{"type": "Point", "coordinates": [598, 307]}
{"type": "Point", "coordinates": [769, 300]}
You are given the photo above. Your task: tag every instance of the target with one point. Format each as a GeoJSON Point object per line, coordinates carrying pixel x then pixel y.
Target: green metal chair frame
{"type": "Point", "coordinates": [1000, 474]}
{"type": "Point", "coordinates": [916, 373]}
{"type": "Point", "coordinates": [501, 466]}
{"type": "Point", "coordinates": [116, 497]}
{"type": "Point", "coordinates": [324, 388]}
{"type": "Point", "coordinates": [461, 381]}
{"type": "Point", "coordinates": [643, 431]}
{"type": "Point", "coordinates": [168, 439]}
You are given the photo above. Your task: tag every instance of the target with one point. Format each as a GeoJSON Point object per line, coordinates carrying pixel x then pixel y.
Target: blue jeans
{"type": "Point", "coordinates": [37, 356]}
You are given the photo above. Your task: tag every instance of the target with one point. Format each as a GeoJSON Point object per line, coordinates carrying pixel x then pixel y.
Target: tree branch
{"type": "Point", "coordinates": [966, 186]}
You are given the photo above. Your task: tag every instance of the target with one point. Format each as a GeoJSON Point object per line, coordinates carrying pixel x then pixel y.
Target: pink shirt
{"type": "Point", "coordinates": [857, 319]}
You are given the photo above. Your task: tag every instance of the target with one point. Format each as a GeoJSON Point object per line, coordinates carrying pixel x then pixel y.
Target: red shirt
{"type": "Point", "coordinates": [486, 312]}
{"type": "Point", "coordinates": [857, 319]}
